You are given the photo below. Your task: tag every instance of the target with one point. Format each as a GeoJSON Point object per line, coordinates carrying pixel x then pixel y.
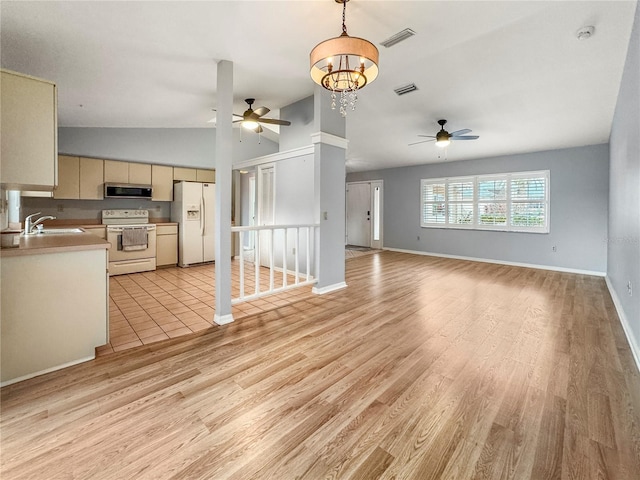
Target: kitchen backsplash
{"type": "Point", "coordinates": [89, 209]}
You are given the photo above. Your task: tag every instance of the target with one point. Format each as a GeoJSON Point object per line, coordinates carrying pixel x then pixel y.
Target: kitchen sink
{"type": "Point", "coordinates": [58, 231]}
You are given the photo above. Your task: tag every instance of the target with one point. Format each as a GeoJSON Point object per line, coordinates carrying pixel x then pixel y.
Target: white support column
{"type": "Point", "coordinates": [224, 150]}
{"type": "Point", "coordinates": [330, 149]}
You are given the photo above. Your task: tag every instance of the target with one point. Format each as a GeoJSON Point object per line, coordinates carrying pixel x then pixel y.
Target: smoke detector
{"type": "Point", "coordinates": [585, 32]}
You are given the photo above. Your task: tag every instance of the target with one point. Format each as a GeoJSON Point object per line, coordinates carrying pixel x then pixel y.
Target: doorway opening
{"type": "Point", "coordinates": [364, 219]}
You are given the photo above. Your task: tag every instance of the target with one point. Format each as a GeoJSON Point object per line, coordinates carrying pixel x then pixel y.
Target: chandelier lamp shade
{"type": "Point", "coordinates": [343, 65]}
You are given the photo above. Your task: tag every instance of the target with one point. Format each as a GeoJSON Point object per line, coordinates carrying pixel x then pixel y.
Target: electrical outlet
{"type": "Point", "coordinates": [294, 251]}
{"type": "Point", "coordinates": [630, 288]}
{"type": "Point", "coordinates": [418, 237]}
{"type": "Point", "coordinates": [61, 208]}
{"type": "Point", "coordinates": [554, 248]}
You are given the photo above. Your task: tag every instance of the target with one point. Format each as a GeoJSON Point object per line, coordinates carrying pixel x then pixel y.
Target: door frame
{"type": "Point", "coordinates": [377, 244]}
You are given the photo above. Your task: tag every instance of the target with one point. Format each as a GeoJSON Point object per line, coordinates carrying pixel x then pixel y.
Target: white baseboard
{"type": "Point", "coordinates": [633, 344]}
{"type": "Point", "coordinates": [501, 262]}
{"type": "Point", "coordinates": [329, 288]}
{"type": "Point", "coordinates": [223, 319]}
{"type": "Point", "coordinates": [48, 370]}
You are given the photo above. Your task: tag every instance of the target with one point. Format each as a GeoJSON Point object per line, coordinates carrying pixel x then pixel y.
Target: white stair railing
{"type": "Point", "coordinates": [272, 241]}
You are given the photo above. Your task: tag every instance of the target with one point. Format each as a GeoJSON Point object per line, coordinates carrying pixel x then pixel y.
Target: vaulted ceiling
{"type": "Point", "coordinates": [512, 71]}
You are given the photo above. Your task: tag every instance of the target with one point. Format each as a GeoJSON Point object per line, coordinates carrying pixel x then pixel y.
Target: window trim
{"type": "Point", "coordinates": [475, 225]}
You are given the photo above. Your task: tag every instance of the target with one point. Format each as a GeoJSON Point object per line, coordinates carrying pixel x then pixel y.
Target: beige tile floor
{"type": "Point", "coordinates": [152, 306]}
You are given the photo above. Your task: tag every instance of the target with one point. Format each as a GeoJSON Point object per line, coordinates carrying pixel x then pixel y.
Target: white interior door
{"type": "Point", "coordinates": [266, 209]}
{"type": "Point", "coordinates": [359, 214]}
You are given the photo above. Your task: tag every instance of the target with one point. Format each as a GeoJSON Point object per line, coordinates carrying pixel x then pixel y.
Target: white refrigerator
{"type": "Point", "coordinates": [193, 208]}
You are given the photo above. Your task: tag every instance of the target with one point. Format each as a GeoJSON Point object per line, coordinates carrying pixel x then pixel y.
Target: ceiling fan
{"type": "Point", "coordinates": [251, 119]}
{"type": "Point", "coordinates": [443, 138]}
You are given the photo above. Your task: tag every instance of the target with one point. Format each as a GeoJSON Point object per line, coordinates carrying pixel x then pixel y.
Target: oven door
{"type": "Point", "coordinates": [117, 253]}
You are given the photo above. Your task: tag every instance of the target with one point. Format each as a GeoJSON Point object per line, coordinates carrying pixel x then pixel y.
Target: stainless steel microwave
{"type": "Point", "coordinates": [126, 190]}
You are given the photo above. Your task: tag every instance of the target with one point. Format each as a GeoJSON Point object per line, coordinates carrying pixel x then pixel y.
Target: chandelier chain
{"type": "Point", "coordinates": [344, 16]}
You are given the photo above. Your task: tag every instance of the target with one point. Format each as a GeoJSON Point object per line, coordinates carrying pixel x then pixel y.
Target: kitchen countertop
{"type": "Point", "coordinates": [43, 244]}
{"type": "Point", "coordinates": [85, 223]}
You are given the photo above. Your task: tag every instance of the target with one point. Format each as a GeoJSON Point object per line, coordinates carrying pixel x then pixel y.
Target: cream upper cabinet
{"type": "Point", "coordinates": [79, 178]}
{"type": "Point", "coordinates": [207, 176]}
{"type": "Point", "coordinates": [28, 114]}
{"type": "Point", "coordinates": [162, 183]}
{"type": "Point", "coordinates": [185, 174]}
{"type": "Point", "coordinates": [140, 173]}
{"type": "Point", "coordinates": [69, 178]}
{"type": "Point", "coordinates": [126, 172]}
{"type": "Point", "coordinates": [116, 172]}
{"type": "Point", "coordinates": [91, 178]}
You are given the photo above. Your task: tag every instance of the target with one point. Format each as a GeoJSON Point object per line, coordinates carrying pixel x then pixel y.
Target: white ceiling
{"type": "Point", "coordinates": [512, 71]}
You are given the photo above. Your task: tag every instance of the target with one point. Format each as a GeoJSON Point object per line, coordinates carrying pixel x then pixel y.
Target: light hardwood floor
{"type": "Point", "coordinates": [422, 368]}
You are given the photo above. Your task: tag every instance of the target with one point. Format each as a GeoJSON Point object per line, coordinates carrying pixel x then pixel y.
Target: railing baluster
{"type": "Point", "coordinates": [256, 263]}
{"type": "Point", "coordinates": [270, 239]}
{"type": "Point", "coordinates": [284, 258]}
{"type": "Point", "coordinates": [297, 256]}
{"type": "Point", "coordinates": [309, 232]}
{"type": "Point", "coordinates": [241, 265]}
{"type": "Point", "coordinates": [271, 231]}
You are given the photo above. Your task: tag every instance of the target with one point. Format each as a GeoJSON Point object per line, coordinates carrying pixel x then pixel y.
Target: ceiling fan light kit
{"type": "Point", "coordinates": [444, 138]}
{"type": "Point", "coordinates": [344, 65]}
{"type": "Point", "coordinates": [251, 119]}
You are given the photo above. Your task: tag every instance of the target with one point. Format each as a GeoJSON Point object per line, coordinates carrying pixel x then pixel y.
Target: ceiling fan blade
{"type": "Point", "coordinates": [460, 132]}
{"type": "Point", "coordinates": [238, 121]}
{"type": "Point", "coordinates": [274, 121]}
{"type": "Point", "coordinates": [469, 137]}
{"type": "Point", "coordinates": [421, 141]}
{"type": "Point", "coordinates": [427, 136]}
{"type": "Point", "coordinates": [261, 111]}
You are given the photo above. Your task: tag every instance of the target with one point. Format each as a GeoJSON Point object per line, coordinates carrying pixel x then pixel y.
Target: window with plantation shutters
{"type": "Point", "coordinates": [433, 202]}
{"type": "Point", "coordinates": [517, 202]}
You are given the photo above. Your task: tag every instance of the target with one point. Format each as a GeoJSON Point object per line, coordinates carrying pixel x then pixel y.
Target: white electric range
{"type": "Point", "coordinates": [133, 241]}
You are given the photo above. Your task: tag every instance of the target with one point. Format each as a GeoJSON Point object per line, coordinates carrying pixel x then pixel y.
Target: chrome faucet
{"type": "Point", "coordinates": [30, 225]}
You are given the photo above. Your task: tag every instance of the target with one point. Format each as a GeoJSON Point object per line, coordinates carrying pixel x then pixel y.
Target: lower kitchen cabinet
{"type": "Point", "coordinates": [166, 245]}
{"type": "Point", "coordinates": [66, 322]}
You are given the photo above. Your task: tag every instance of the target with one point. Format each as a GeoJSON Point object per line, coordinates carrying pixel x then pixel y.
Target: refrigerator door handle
{"type": "Point", "coordinates": [202, 217]}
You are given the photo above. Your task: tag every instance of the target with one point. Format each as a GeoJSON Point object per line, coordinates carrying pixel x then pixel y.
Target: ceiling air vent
{"type": "Point", "coordinates": [406, 89]}
{"type": "Point", "coordinates": [398, 37]}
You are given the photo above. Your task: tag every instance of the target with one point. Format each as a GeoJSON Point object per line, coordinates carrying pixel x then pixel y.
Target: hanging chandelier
{"type": "Point", "coordinates": [343, 65]}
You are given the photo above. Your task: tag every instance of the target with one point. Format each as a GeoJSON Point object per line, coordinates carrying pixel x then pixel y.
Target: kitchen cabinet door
{"type": "Point", "coordinates": [68, 178]}
{"type": "Point", "coordinates": [167, 245]}
{"type": "Point", "coordinates": [162, 183]}
{"type": "Point", "coordinates": [206, 176]}
{"type": "Point", "coordinates": [91, 178]}
{"type": "Point", "coordinates": [29, 148]}
{"type": "Point", "coordinates": [140, 173]}
{"type": "Point", "coordinates": [116, 172]}
{"type": "Point", "coordinates": [185, 174]}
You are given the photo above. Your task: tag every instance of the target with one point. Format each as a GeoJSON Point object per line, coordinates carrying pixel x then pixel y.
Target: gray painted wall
{"type": "Point", "coordinates": [294, 203]}
{"type": "Point", "coordinates": [90, 209]}
{"type": "Point", "coordinates": [298, 134]}
{"type": "Point", "coordinates": [623, 246]}
{"type": "Point", "coordinates": [578, 210]}
{"type": "Point", "coordinates": [188, 147]}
